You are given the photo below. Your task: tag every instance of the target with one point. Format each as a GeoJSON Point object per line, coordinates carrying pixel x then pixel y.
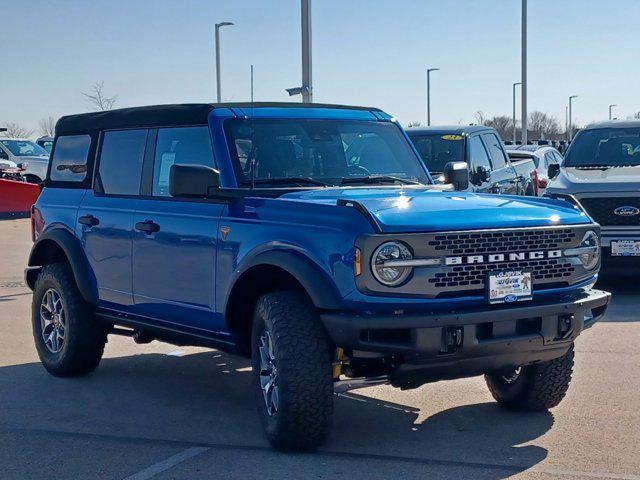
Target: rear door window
{"type": "Point", "coordinates": [69, 162]}
{"type": "Point", "coordinates": [121, 159]}
{"type": "Point", "coordinates": [182, 145]}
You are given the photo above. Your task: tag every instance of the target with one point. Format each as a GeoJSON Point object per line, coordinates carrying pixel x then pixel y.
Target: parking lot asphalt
{"type": "Point", "coordinates": [165, 412]}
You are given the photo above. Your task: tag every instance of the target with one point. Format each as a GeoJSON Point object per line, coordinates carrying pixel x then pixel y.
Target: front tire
{"type": "Point", "coordinates": [536, 387]}
{"type": "Point", "coordinates": [68, 340]}
{"type": "Point", "coordinates": [291, 362]}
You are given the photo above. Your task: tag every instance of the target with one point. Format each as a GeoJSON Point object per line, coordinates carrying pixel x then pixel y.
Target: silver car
{"type": "Point", "coordinates": [33, 158]}
{"type": "Point", "coordinates": [601, 172]}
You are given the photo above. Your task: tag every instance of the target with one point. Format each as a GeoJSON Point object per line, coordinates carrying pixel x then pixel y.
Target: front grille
{"type": "Point", "coordinates": [504, 242]}
{"type": "Point", "coordinates": [602, 210]}
{"type": "Point", "coordinates": [467, 276]}
{"type": "Point", "coordinates": [464, 275]}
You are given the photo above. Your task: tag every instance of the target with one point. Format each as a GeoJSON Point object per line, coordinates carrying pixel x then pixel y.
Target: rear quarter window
{"type": "Point", "coordinates": [69, 162]}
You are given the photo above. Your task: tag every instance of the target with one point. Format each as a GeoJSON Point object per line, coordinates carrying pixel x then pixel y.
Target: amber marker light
{"type": "Point", "coordinates": [357, 262]}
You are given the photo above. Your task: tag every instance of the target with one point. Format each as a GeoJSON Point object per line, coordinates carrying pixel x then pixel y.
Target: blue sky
{"type": "Point", "coordinates": [365, 52]}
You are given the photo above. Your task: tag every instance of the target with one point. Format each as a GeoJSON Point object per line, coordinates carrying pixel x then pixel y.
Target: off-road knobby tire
{"type": "Point", "coordinates": [303, 358]}
{"type": "Point", "coordinates": [539, 387]}
{"type": "Point", "coordinates": [84, 337]}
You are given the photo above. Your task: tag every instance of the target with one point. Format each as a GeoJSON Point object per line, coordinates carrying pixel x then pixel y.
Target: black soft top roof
{"type": "Point", "coordinates": [165, 115]}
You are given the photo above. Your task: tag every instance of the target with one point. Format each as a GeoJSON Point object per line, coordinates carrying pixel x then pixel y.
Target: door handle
{"type": "Point", "coordinates": [88, 220]}
{"type": "Point", "coordinates": [148, 226]}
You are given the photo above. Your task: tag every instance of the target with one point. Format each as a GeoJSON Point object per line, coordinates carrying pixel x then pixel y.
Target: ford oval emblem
{"type": "Point", "coordinates": [510, 298]}
{"type": "Point", "coordinates": [627, 211]}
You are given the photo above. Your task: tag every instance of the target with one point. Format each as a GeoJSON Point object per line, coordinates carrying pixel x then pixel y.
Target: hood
{"type": "Point", "coordinates": [575, 180]}
{"type": "Point", "coordinates": [405, 210]}
{"type": "Point", "coordinates": [40, 158]}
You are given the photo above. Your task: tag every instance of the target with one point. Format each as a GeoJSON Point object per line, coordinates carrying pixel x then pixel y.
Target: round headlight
{"type": "Point", "coordinates": [382, 263]}
{"type": "Point", "coordinates": [591, 244]}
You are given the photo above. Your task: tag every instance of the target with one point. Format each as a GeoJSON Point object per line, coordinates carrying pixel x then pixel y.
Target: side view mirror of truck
{"type": "Point", "coordinates": [3, 155]}
{"type": "Point", "coordinates": [457, 174]}
{"type": "Point", "coordinates": [193, 180]}
{"type": "Point", "coordinates": [553, 170]}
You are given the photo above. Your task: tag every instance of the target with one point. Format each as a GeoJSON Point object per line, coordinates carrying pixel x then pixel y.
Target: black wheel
{"type": "Point", "coordinates": [292, 371]}
{"type": "Point", "coordinates": [69, 342]}
{"type": "Point", "coordinates": [534, 387]}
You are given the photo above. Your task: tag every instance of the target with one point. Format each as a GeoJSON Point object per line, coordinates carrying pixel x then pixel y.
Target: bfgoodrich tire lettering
{"type": "Point", "coordinates": [83, 340]}
{"type": "Point", "coordinates": [301, 416]}
{"type": "Point", "coordinates": [535, 387]}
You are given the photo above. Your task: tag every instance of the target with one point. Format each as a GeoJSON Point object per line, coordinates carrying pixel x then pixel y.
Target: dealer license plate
{"type": "Point", "coordinates": [625, 248]}
{"type": "Point", "coordinates": [509, 286]}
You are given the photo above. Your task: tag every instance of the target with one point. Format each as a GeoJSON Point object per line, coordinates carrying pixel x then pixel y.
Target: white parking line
{"type": "Point", "coordinates": [166, 464]}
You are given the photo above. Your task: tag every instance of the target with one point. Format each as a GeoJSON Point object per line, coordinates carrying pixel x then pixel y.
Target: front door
{"type": "Point", "coordinates": [175, 240]}
{"type": "Point", "coordinates": [504, 178]}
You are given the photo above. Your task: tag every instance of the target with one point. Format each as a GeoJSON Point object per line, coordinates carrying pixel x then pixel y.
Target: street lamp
{"type": "Point", "coordinates": [610, 107]}
{"type": "Point", "coordinates": [429, 70]}
{"type": "Point", "coordinates": [524, 72]}
{"type": "Point", "coordinates": [570, 123]}
{"type": "Point", "coordinates": [306, 89]}
{"type": "Point", "coordinates": [514, 110]}
{"type": "Point", "coordinates": [218, 25]}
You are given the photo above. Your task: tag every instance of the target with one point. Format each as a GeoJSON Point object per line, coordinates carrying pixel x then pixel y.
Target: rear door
{"type": "Point", "coordinates": [175, 240]}
{"type": "Point", "coordinates": [504, 178]}
{"type": "Point", "coordinates": [105, 217]}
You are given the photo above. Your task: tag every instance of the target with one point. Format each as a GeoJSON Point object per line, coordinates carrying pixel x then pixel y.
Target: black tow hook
{"type": "Point", "coordinates": [451, 340]}
{"type": "Point", "coordinates": [565, 326]}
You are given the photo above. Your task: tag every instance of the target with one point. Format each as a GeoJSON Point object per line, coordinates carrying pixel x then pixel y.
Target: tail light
{"type": "Point", "coordinates": [37, 223]}
{"type": "Point", "coordinates": [536, 181]}
{"type": "Point", "coordinates": [33, 223]}
{"type": "Point", "coordinates": [543, 182]}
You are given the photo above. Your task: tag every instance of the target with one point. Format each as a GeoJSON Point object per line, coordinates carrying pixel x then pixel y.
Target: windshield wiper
{"type": "Point", "coordinates": [377, 179]}
{"type": "Point", "coordinates": [286, 181]}
{"type": "Point", "coordinates": [591, 167]}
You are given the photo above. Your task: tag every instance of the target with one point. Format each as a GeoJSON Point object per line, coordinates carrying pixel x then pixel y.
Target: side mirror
{"type": "Point", "coordinates": [553, 170]}
{"type": "Point", "coordinates": [3, 155]}
{"type": "Point", "coordinates": [457, 174]}
{"type": "Point", "coordinates": [192, 180]}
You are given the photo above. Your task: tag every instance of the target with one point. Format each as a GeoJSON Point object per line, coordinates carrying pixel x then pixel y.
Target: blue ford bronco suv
{"type": "Point", "coordinates": [312, 239]}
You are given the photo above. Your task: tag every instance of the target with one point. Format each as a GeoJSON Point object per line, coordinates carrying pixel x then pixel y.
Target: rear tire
{"type": "Point", "coordinates": [68, 340]}
{"type": "Point", "coordinates": [536, 387]}
{"type": "Point", "coordinates": [293, 380]}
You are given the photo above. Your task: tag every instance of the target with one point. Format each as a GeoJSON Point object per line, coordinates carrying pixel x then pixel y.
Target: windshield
{"type": "Point", "coordinates": [321, 152]}
{"type": "Point", "coordinates": [605, 147]}
{"type": "Point", "coordinates": [24, 148]}
{"type": "Point", "coordinates": [438, 150]}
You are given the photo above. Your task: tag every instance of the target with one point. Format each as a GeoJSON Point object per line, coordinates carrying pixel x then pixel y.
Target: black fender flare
{"type": "Point", "coordinates": [316, 282]}
{"type": "Point", "coordinates": [72, 249]}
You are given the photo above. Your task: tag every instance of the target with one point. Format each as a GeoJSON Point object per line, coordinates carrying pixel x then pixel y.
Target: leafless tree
{"type": "Point", "coordinates": [16, 130]}
{"type": "Point", "coordinates": [414, 124]}
{"type": "Point", "coordinates": [480, 118]}
{"type": "Point", "coordinates": [98, 99]}
{"type": "Point", "coordinates": [503, 124]}
{"type": "Point", "coordinates": [47, 126]}
{"type": "Point", "coordinates": [543, 124]}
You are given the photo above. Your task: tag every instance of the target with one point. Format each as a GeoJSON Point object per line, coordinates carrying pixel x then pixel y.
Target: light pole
{"type": "Point", "coordinates": [570, 123]}
{"type": "Point", "coordinates": [306, 89]}
{"type": "Point", "coordinates": [524, 72]}
{"type": "Point", "coordinates": [610, 107]}
{"type": "Point", "coordinates": [514, 110]}
{"type": "Point", "coordinates": [218, 25]}
{"type": "Point", "coordinates": [429, 70]}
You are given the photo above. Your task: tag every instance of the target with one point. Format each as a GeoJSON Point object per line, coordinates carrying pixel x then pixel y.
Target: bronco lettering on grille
{"type": "Point", "coordinates": [502, 257]}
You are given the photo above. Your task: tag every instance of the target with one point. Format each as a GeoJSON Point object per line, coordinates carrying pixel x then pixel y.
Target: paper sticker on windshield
{"type": "Point", "coordinates": [452, 137]}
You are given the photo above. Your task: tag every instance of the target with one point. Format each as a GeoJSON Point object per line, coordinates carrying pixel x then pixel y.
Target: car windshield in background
{"type": "Point", "coordinates": [321, 152]}
{"type": "Point", "coordinates": [438, 150]}
{"type": "Point", "coordinates": [24, 148]}
{"type": "Point", "coordinates": [605, 147]}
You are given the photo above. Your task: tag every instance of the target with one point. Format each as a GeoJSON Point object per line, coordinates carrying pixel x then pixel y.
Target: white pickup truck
{"type": "Point", "coordinates": [601, 172]}
{"type": "Point", "coordinates": [23, 152]}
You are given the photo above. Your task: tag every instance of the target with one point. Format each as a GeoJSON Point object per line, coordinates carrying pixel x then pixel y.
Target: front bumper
{"type": "Point", "coordinates": [454, 344]}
